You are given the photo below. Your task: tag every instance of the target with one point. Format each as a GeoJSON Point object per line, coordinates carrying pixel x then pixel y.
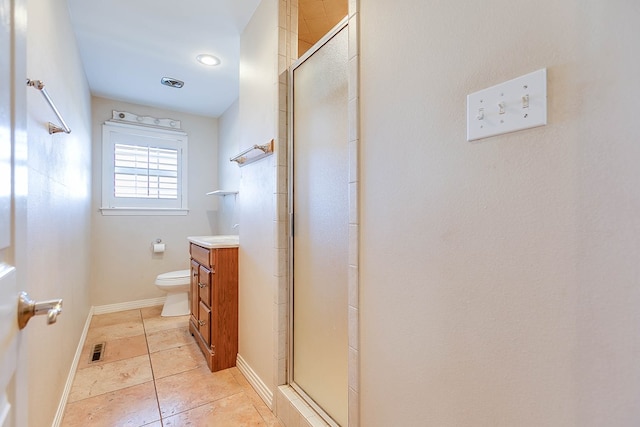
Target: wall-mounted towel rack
{"type": "Point", "coordinates": [38, 84]}
{"type": "Point", "coordinates": [242, 159]}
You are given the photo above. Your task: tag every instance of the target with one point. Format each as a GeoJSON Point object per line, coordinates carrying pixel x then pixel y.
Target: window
{"type": "Point", "coordinates": [144, 170]}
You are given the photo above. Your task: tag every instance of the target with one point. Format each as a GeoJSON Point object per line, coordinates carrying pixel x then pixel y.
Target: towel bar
{"type": "Point", "coordinates": [241, 159]}
{"type": "Point", "coordinates": [38, 84]}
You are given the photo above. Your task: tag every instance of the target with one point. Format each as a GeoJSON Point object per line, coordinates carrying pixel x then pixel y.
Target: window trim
{"type": "Point", "coordinates": [170, 138]}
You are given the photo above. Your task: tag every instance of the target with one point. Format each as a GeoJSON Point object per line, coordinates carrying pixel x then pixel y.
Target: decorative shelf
{"type": "Point", "coordinates": [221, 193]}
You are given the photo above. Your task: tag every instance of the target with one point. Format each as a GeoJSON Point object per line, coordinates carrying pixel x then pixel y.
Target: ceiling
{"type": "Point", "coordinates": [127, 46]}
{"type": "Point", "coordinates": [316, 18]}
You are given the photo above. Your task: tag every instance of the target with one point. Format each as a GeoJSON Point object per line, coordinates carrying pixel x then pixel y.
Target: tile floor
{"type": "Point", "coordinates": [153, 374]}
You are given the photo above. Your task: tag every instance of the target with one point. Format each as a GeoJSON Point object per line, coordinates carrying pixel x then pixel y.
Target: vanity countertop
{"type": "Point", "coordinates": [216, 242]}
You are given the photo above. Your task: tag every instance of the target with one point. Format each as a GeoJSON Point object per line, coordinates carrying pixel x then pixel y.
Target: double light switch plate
{"type": "Point", "coordinates": [514, 105]}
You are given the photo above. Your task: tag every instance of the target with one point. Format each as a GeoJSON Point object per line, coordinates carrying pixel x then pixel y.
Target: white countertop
{"type": "Point", "coordinates": [215, 242]}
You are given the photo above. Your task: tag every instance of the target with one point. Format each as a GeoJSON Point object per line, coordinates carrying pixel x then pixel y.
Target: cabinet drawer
{"type": "Point", "coordinates": [204, 285]}
{"type": "Point", "coordinates": [203, 255]}
{"type": "Point", "coordinates": [204, 322]}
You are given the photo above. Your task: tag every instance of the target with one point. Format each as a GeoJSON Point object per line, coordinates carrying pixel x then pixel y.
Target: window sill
{"type": "Point", "coordinates": [142, 211]}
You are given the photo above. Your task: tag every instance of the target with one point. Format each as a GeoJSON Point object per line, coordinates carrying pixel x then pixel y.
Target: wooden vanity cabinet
{"type": "Point", "coordinates": [214, 304]}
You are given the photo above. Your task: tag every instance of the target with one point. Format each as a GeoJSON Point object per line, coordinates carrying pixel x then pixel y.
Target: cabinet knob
{"type": "Point", "coordinates": [202, 285]}
{"type": "Point", "coordinates": [201, 322]}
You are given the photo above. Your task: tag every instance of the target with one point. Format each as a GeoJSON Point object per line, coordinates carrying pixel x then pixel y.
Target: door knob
{"type": "Point", "coordinates": [27, 308]}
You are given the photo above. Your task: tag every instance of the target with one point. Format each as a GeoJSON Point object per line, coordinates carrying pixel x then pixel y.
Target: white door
{"type": "Point", "coordinates": [13, 404]}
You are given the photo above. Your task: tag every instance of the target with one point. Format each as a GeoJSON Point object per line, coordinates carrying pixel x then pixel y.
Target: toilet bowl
{"type": "Point", "coordinates": [176, 285]}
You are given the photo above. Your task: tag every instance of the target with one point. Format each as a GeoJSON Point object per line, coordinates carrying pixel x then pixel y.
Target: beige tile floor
{"type": "Point", "coordinates": [153, 374]}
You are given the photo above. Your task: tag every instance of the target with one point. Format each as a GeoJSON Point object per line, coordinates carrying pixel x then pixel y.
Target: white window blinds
{"type": "Point", "coordinates": [145, 172]}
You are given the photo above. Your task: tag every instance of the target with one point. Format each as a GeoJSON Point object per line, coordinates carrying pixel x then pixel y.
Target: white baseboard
{"type": "Point", "coordinates": [131, 305]}
{"type": "Point", "coordinates": [255, 381]}
{"type": "Point", "coordinates": [72, 372]}
{"type": "Point", "coordinates": [101, 309]}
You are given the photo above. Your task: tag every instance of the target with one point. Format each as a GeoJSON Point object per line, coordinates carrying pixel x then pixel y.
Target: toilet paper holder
{"type": "Point", "coordinates": [158, 247]}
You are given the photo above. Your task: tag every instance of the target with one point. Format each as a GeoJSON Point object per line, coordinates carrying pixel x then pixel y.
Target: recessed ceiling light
{"type": "Point", "coordinates": [207, 59]}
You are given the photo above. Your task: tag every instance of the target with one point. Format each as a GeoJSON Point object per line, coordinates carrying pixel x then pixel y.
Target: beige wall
{"type": "Point", "coordinates": [58, 219]}
{"type": "Point", "coordinates": [258, 125]}
{"type": "Point", "coordinates": [228, 172]}
{"type": "Point", "coordinates": [499, 279]}
{"type": "Point", "coordinates": [123, 266]}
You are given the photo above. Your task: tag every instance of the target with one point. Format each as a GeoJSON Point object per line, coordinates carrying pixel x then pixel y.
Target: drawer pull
{"type": "Point", "coordinates": [202, 285]}
{"type": "Point", "coordinates": [201, 322]}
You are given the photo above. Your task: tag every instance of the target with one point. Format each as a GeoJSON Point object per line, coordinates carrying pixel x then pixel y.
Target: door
{"type": "Point", "coordinates": [13, 404]}
{"type": "Point", "coordinates": [320, 227]}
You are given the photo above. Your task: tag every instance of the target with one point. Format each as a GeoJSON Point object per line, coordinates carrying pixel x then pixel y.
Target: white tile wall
{"type": "Point", "coordinates": [354, 215]}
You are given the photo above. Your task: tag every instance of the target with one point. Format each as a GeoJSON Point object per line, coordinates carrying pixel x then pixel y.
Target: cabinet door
{"type": "Point", "coordinates": [204, 322]}
{"type": "Point", "coordinates": [194, 295]}
{"type": "Point", "coordinates": [204, 285]}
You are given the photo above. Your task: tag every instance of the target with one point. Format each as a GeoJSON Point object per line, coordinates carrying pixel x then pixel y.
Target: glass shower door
{"type": "Point", "coordinates": [321, 220]}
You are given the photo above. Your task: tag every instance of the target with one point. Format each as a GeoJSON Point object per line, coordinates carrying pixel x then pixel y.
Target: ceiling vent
{"type": "Point", "coordinates": [168, 81]}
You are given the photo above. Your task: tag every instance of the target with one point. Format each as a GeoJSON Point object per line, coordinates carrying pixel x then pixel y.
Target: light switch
{"type": "Point", "coordinates": [514, 105]}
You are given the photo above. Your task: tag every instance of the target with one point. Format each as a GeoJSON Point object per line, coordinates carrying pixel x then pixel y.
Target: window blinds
{"type": "Point", "coordinates": [145, 172]}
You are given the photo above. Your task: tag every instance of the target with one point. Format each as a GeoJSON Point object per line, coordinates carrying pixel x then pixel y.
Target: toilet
{"type": "Point", "coordinates": [176, 285]}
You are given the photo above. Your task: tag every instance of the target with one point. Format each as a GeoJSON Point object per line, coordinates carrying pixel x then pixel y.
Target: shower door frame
{"type": "Point", "coordinates": [343, 24]}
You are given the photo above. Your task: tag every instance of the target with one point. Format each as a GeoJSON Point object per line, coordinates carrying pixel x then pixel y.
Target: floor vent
{"type": "Point", "coordinates": [98, 350]}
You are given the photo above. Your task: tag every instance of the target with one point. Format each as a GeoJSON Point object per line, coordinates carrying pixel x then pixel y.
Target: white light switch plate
{"type": "Point", "coordinates": [518, 104]}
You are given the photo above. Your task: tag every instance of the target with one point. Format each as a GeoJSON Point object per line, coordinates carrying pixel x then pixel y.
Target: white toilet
{"type": "Point", "coordinates": [176, 285]}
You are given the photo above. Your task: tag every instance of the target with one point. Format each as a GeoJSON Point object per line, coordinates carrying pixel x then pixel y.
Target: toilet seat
{"type": "Point", "coordinates": [180, 277]}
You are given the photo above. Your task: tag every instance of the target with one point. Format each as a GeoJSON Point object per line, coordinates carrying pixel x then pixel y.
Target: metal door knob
{"type": "Point", "coordinates": [27, 308]}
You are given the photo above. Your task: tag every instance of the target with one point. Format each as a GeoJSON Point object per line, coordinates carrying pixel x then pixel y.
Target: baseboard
{"type": "Point", "coordinates": [131, 305]}
{"type": "Point", "coordinates": [255, 381]}
{"type": "Point", "coordinates": [72, 372]}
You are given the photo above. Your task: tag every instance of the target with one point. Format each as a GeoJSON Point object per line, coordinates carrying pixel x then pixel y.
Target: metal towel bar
{"type": "Point", "coordinates": [38, 84]}
{"type": "Point", "coordinates": [242, 160]}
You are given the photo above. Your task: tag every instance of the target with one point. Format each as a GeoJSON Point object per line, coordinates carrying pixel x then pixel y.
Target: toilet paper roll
{"type": "Point", "coordinates": [158, 248]}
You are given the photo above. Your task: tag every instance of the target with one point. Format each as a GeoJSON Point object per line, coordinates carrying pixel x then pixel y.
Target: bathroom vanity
{"type": "Point", "coordinates": [214, 298]}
